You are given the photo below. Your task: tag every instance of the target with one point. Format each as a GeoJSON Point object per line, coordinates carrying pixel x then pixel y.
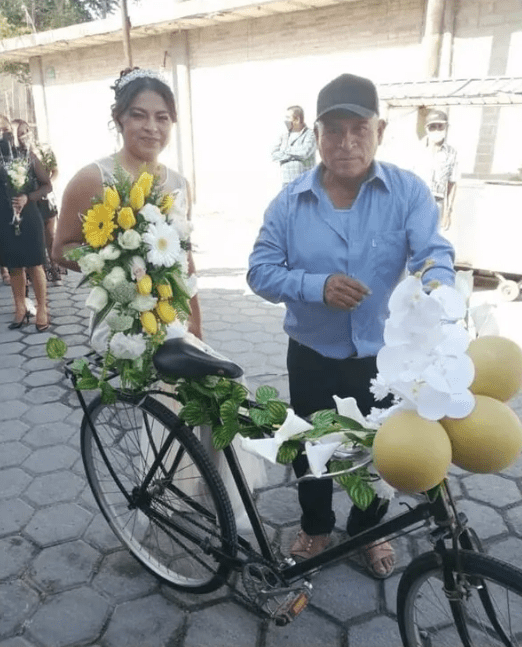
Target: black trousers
{"type": "Point", "coordinates": [314, 380]}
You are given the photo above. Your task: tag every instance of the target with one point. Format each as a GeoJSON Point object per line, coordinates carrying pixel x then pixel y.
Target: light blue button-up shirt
{"type": "Point", "coordinates": [304, 239]}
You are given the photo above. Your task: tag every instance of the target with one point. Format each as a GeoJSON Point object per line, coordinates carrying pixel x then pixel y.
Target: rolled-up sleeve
{"type": "Point", "coordinates": [426, 243]}
{"type": "Point", "coordinates": [269, 274]}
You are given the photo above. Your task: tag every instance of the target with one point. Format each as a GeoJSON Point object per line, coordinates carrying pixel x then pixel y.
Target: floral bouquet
{"type": "Point", "coordinates": [47, 157]}
{"type": "Point", "coordinates": [135, 260]}
{"type": "Point", "coordinates": [17, 171]}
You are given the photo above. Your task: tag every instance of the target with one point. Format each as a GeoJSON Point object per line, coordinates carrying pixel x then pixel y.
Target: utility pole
{"type": "Point", "coordinates": [126, 33]}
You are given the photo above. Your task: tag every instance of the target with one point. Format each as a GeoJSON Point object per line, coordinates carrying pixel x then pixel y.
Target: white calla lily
{"type": "Point", "coordinates": [318, 456]}
{"type": "Point", "coordinates": [348, 408]}
{"type": "Point", "coordinates": [267, 448]}
{"type": "Point", "coordinates": [292, 426]}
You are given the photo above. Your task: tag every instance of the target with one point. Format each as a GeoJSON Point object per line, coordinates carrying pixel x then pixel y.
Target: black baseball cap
{"type": "Point", "coordinates": [349, 93]}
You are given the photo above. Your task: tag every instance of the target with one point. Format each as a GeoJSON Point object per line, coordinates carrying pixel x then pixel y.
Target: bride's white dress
{"type": "Point", "coordinates": [252, 466]}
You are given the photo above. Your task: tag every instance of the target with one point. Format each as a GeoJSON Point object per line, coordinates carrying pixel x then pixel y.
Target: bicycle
{"type": "Point", "coordinates": [164, 499]}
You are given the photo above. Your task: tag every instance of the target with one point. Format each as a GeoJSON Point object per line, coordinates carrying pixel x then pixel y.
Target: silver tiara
{"type": "Point", "coordinates": [138, 73]}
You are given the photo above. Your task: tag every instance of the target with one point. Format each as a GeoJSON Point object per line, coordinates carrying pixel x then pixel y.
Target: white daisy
{"type": "Point", "coordinates": [163, 243]}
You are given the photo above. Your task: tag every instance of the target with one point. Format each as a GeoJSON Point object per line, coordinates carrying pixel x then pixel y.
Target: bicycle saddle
{"type": "Point", "coordinates": [177, 358]}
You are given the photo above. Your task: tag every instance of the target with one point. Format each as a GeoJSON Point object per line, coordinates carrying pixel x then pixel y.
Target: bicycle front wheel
{"type": "Point", "coordinates": [176, 519]}
{"type": "Point", "coordinates": [483, 609]}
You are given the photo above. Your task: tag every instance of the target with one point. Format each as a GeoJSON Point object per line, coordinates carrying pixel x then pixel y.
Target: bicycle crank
{"type": "Point", "coordinates": [265, 588]}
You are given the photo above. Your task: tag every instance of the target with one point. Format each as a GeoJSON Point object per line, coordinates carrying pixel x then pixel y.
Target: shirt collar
{"type": "Point", "coordinates": [311, 181]}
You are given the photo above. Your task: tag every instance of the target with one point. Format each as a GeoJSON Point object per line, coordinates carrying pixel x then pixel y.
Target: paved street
{"type": "Point", "coordinates": [64, 579]}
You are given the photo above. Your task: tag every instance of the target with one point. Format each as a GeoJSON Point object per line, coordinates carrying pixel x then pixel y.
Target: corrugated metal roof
{"type": "Point", "coordinates": [191, 14]}
{"type": "Point", "coordinates": [494, 90]}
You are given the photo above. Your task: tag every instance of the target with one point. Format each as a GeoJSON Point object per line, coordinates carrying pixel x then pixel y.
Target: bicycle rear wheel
{"type": "Point", "coordinates": [485, 608]}
{"type": "Point", "coordinates": [177, 524]}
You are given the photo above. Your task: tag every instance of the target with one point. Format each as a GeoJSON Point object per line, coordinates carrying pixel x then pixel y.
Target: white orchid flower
{"type": "Point", "coordinates": [434, 405]}
{"type": "Point", "coordinates": [292, 426]}
{"type": "Point", "coordinates": [318, 455]}
{"type": "Point", "coordinates": [455, 339]}
{"type": "Point", "coordinates": [451, 300]}
{"type": "Point", "coordinates": [464, 283]}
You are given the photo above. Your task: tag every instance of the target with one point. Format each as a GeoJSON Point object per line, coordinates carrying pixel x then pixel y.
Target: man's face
{"type": "Point", "coordinates": [436, 132]}
{"type": "Point", "coordinates": [290, 120]}
{"type": "Point", "coordinates": [347, 145]}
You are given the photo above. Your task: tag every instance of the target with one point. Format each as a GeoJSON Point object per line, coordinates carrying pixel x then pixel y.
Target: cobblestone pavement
{"type": "Point", "coordinates": [66, 581]}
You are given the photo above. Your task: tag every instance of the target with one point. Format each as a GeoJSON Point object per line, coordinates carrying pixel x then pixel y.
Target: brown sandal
{"type": "Point", "coordinates": [379, 559]}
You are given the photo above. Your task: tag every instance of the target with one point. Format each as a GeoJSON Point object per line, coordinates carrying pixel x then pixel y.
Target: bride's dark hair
{"type": "Point", "coordinates": [125, 91]}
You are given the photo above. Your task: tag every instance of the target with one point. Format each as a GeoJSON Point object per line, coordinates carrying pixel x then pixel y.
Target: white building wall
{"type": "Point", "coordinates": [243, 75]}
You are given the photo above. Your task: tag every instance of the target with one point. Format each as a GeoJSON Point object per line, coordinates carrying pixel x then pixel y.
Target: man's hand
{"type": "Point", "coordinates": [344, 292]}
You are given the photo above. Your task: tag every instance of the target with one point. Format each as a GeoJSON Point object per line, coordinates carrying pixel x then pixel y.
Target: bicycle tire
{"type": "Point", "coordinates": [427, 619]}
{"type": "Point", "coordinates": [191, 501]}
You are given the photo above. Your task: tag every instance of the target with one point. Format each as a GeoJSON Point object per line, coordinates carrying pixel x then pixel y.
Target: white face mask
{"type": "Point", "coordinates": [288, 124]}
{"type": "Point", "coordinates": [436, 136]}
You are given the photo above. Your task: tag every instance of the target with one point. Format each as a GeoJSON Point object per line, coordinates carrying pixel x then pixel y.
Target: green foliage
{"type": "Point", "coordinates": [222, 404]}
{"type": "Point", "coordinates": [356, 484]}
{"type": "Point", "coordinates": [55, 348]}
{"type": "Point", "coordinates": [288, 451]}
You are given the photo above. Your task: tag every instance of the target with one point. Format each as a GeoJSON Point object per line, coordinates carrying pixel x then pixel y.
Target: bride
{"type": "Point", "coordinates": [144, 112]}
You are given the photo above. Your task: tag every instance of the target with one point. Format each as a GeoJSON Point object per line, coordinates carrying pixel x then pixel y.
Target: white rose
{"type": "Point", "coordinates": [138, 269]}
{"type": "Point", "coordinates": [151, 213]}
{"type": "Point", "coordinates": [115, 276]}
{"type": "Point", "coordinates": [97, 299]}
{"type": "Point", "coordinates": [143, 302]}
{"type": "Point", "coordinates": [91, 263]}
{"type": "Point", "coordinates": [175, 329]}
{"type": "Point", "coordinates": [110, 253]}
{"type": "Point", "coordinates": [129, 239]}
{"type": "Point", "coordinates": [127, 346]}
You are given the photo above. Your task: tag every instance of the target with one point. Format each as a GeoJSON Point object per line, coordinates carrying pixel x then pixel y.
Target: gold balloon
{"type": "Point", "coordinates": [488, 440]}
{"type": "Point", "coordinates": [411, 453]}
{"type": "Point", "coordinates": [498, 367]}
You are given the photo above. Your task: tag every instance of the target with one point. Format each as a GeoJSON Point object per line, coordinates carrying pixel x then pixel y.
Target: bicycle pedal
{"type": "Point", "coordinates": [292, 606]}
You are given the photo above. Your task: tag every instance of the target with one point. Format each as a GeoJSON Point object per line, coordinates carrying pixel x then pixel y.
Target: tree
{"type": "Point", "coordinates": [18, 17]}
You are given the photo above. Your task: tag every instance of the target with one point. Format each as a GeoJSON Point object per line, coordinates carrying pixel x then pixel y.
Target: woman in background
{"type": "Point", "coordinates": [22, 246]}
{"type": "Point", "coordinates": [47, 205]}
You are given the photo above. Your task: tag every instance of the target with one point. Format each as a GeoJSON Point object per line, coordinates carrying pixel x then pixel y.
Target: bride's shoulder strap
{"type": "Point", "coordinates": [106, 166]}
{"type": "Point", "coordinates": [174, 181]}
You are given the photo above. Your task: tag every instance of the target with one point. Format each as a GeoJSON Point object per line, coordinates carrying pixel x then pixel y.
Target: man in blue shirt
{"type": "Point", "coordinates": [333, 246]}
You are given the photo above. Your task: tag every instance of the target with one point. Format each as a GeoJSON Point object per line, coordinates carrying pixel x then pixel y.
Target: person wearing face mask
{"type": "Point", "coordinates": [437, 164]}
{"type": "Point", "coordinates": [295, 149]}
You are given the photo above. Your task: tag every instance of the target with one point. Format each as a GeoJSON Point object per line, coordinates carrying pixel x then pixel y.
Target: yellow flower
{"type": "Point", "coordinates": [136, 197]}
{"type": "Point", "coordinates": [167, 203]}
{"type": "Point", "coordinates": [111, 198]}
{"type": "Point", "coordinates": [126, 218]}
{"type": "Point", "coordinates": [98, 225]}
{"type": "Point", "coordinates": [145, 180]}
{"type": "Point", "coordinates": [165, 311]}
{"type": "Point", "coordinates": [149, 322]}
{"type": "Point", "coordinates": [145, 285]}
{"type": "Point", "coordinates": [164, 290]}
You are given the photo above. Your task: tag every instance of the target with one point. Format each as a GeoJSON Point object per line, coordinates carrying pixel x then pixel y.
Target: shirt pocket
{"type": "Point", "coordinates": [388, 255]}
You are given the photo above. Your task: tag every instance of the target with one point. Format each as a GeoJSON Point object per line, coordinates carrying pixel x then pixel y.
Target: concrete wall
{"type": "Point", "coordinates": [243, 76]}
